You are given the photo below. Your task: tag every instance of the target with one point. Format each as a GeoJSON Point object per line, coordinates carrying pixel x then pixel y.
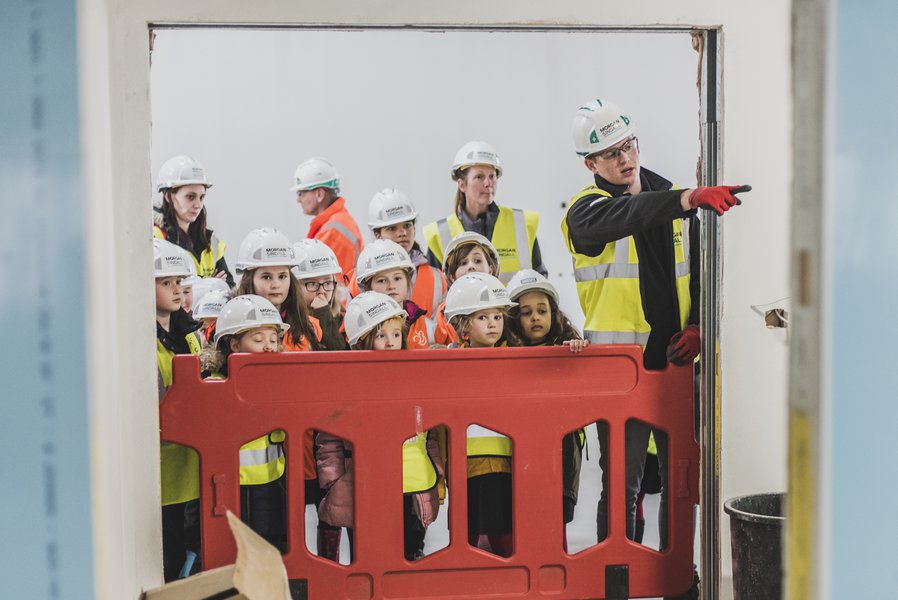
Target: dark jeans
{"type": "Point", "coordinates": [636, 444]}
{"type": "Point", "coordinates": [180, 535]}
{"type": "Point", "coordinates": [264, 509]}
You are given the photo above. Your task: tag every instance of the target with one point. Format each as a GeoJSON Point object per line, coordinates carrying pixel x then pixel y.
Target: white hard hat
{"type": "Point", "coordinates": [316, 173]}
{"type": "Point", "coordinates": [210, 304]}
{"type": "Point", "coordinates": [179, 171]}
{"type": "Point", "coordinates": [475, 153]}
{"type": "Point", "coordinates": [381, 255]}
{"type": "Point", "coordinates": [203, 285]}
{"type": "Point", "coordinates": [368, 310]}
{"type": "Point", "coordinates": [476, 291]}
{"type": "Point", "coordinates": [247, 312]}
{"type": "Point", "coordinates": [598, 125]}
{"type": "Point", "coordinates": [314, 258]}
{"type": "Point", "coordinates": [469, 237]}
{"type": "Point", "coordinates": [528, 280]}
{"type": "Point", "coordinates": [170, 260]}
{"type": "Point", "coordinates": [264, 247]}
{"type": "Point", "coordinates": [388, 207]}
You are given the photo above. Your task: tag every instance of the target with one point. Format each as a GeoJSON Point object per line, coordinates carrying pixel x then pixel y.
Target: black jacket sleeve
{"type": "Point", "coordinates": [222, 266]}
{"type": "Point", "coordinates": [432, 260]}
{"type": "Point", "coordinates": [594, 222]}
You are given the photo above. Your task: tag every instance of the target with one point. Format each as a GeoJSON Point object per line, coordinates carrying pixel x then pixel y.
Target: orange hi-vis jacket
{"type": "Point", "coordinates": [428, 288]}
{"type": "Point", "coordinates": [445, 333]}
{"type": "Point", "coordinates": [336, 228]}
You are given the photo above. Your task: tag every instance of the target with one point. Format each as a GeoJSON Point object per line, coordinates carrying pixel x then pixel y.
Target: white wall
{"type": "Point", "coordinates": [756, 149]}
{"type": "Point", "coordinates": [390, 109]}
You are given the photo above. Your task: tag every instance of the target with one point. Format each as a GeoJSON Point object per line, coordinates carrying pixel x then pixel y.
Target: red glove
{"type": "Point", "coordinates": [684, 346]}
{"type": "Point", "coordinates": [718, 198]}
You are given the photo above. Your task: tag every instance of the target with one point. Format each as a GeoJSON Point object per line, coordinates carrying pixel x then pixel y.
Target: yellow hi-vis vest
{"type": "Point", "coordinates": [486, 442]}
{"type": "Point", "coordinates": [261, 460]}
{"type": "Point", "coordinates": [418, 473]}
{"type": "Point", "coordinates": [205, 266]}
{"type": "Point", "coordinates": [180, 465]}
{"type": "Point", "coordinates": [608, 284]}
{"type": "Point", "coordinates": [513, 238]}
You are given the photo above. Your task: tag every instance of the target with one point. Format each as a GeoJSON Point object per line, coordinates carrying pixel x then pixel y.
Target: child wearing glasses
{"type": "Point", "coordinates": [317, 270]}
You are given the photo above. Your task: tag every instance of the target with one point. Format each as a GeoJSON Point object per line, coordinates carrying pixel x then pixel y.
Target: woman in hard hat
{"type": "Point", "coordinates": [264, 260]}
{"type": "Point", "coordinates": [512, 231]}
{"type": "Point", "coordinates": [538, 321]}
{"type": "Point", "coordinates": [180, 216]}
{"type": "Point", "coordinates": [392, 216]}
{"type": "Point", "coordinates": [384, 266]}
{"type": "Point", "coordinates": [250, 323]}
{"type": "Point", "coordinates": [477, 306]}
{"type": "Point", "coordinates": [176, 333]}
{"type": "Point", "coordinates": [317, 271]}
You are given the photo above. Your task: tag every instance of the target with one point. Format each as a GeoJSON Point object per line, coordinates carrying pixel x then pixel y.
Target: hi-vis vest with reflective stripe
{"type": "Point", "coordinates": [486, 442]}
{"type": "Point", "coordinates": [205, 266]}
{"type": "Point", "coordinates": [418, 473]}
{"type": "Point", "coordinates": [261, 460]}
{"type": "Point", "coordinates": [608, 284]}
{"type": "Point", "coordinates": [513, 237]}
{"type": "Point", "coordinates": [180, 465]}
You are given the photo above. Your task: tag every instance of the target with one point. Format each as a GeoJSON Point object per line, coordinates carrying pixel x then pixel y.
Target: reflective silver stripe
{"type": "Point", "coordinates": [445, 236]}
{"type": "Point", "coordinates": [213, 244]}
{"type": "Point", "coordinates": [478, 431]}
{"type": "Point", "coordinates": [260, 456]}
{"type": "Point", "coordinates": [345, 231]}
{"type": "Point", "coordinates": [525, 257]}
{"type": "Point", "coordinates": [621, 268]}
{"type": "Point", "coordinates": [431, 326]}
{"type": "Point", "coordinates": [682, 269]}
{"type": "Point", "coordinates": [617, 337]}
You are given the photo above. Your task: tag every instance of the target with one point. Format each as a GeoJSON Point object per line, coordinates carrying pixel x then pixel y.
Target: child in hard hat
{"type": "Point", "coordinates": [468, 252]}
{"type": "Point", "coordinates": [263, 262]}
{"type": "Point", "coordinates": [477, 306]}
{"type": "Point", "coordinates": [384, 266]}
{"type": "Point", "coordinates": [206, 310]}
{"type": "Point", "coordinates": [317, 271]}
{"type": "Point", "coordinates": [196, 287]}
{"type": "Point", "coordinates": [538, 321]}
{"type": "Point", "coordinates": [252, 324]}
{"type": "Point", "coordinates": [380, 325]}
{"type": "Point", "coordinates": [176, 334]}
{"type": "Point", "coordinates": [180, 216]}
{"type": "Point", "coordinates": [392, 216]}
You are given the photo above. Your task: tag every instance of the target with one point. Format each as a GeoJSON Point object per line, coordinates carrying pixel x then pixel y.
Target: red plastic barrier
{"type": "Point", "coordinates": [534, 395]}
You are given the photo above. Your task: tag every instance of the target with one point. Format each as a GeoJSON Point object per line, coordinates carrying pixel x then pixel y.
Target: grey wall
{"type": "Point", "coordinates": [391, 108]}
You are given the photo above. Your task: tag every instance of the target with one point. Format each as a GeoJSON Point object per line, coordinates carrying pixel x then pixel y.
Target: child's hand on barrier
{"type": "Point", "coordinates": [577, 345]}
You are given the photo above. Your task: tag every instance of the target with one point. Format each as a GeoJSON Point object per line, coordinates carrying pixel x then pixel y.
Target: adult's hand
{"type": "Point", "coordinates": [719, 198]}
{"type": "Point", "coordinates": [684, 346]}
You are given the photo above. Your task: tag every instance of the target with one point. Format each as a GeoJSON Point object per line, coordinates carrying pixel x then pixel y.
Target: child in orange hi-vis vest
{"type": "Point", "coordinates": [392, 216]}
{"type": "Point", "coordinates": [385, 267]}
{"type": "Point", "coordinates": [477, 306]}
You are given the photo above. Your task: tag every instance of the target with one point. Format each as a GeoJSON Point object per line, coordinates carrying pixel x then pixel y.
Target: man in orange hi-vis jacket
{"type": "Point", "coordinates": [317, 187]}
